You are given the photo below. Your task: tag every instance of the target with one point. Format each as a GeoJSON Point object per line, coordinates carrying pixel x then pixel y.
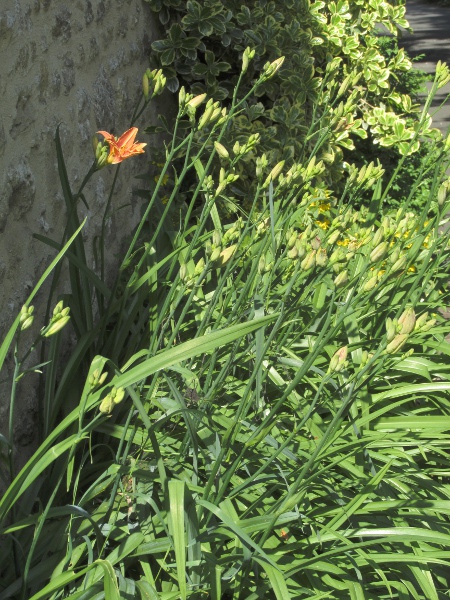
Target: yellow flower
{"type": "Point", "coordinates": [412, 269]}
{"type": "Point", "coordinates": [345, 242]}
{"type": "Point", "coordinates": [323, 224]}
{"type": "Point", "coordinates": [324, 206]}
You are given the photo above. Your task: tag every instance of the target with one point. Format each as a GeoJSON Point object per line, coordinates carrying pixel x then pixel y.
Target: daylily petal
{"type": "Point", "coordinates": [127, 138]}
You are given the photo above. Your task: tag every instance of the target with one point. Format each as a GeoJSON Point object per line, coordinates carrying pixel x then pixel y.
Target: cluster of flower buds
{"type": "Point", "coordinates": [59, 319]}
{"type": "Point", "coordinates": [398, 331]}
{"type": "Point", "coordinates": [97, 378]}
{"type": "Point", "coordinates": [26, 317]}
{"type": "Point", "coordinates": [270, 69]}
{"type": "Point", "coordinates": [224, 180]}
{"type": "Point", "coordinates": [365, 357]}
{"type": "Point", "coordinates": [247, 57]}
{"type": "Point", "coordinates": [423, 324]}
{"type": "Point", "coordinates": [101, 151]}
{"type": "Point", "coordinates": [153, 83]}
{"type": "Point", "coordinates": [262, 163]}
{"type": "Point", "coordinates": [189, 103]}
{"type": "Point", "coordinates": [214, 113]}
{"type": "Point", "coordinates": [339, 360]}
{"type": "Point", "coordinates": [115, 396]}
{"type": "Point", "coordinates": [365, 177]}
{"type": "Point", "coordinates": [241, 150]}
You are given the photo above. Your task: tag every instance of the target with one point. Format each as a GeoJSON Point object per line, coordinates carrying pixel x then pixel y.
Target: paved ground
{"type": "Point", "coordinates": [431, 36]}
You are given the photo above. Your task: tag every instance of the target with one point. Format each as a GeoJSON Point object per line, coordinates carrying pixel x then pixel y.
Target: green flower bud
{"type": "Point", "coordinates": [195, 102]}
{"type": "Point", "coordinates": [107, 405]}
{"type": "Point", "coordinates": [420, 321]}
{"type": "Point", "coordinates": [292, 253]}
{"type": "Point", "coordinates": [341, 279]}
{"type": "Point", "coordinates": [292, 240]}
{"type": "Point", "coordinates": [337, 256]}
{"type": "Point", "coordinates": [379, 252]}
{"type": "Point", "coordinates": [428, 325]}
{"type": "Point", "coordinates": [309, 261]}
{"type": "Point", "coordinates": [58, 308]}
{"type": "Point", "coordinates": [333, 237]}
{"type": "Point", "coordinates": [407, 320]}
{"type": "Point", "coordinates": [221, 150]}
{"type": "Point", "coordinates": [145, 86]}
{"type": "Point", "coordinates": [391, 329]}
{"type": "Point", "coordinates": [321, 257]}
{"type": "Point", "coordinates": [338, 361]}
{"type": "Point", "coordinates": [27, 323]}
{"type": "Point", "coordinates": [182, 97]}
{"type": "Point", "coordinates": [397, 343]}
{"type": "Point", "coordinates": [215, 254]}
{"type": "Point", "coordinates": [369, 284]}
{"type": "Point", "coordinates": [378, 237]}
{"type": "Point", "coordinates": [56, 326]}
{"type": "Point", "coordinates": [262, 264]}
{"type": "Point", "coordinates": [400, 264]}
{"type": "Point", "coordinates": [199, 267]}
{"type": "Point", "coordinates": [274, 173]}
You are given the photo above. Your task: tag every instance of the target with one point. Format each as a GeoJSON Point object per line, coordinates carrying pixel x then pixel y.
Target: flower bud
{"type": "Point", "coordinates": [107, 405]}
{"type": "Point", "coordinates": [399, 264]}
{"type": "Point", "coordinates": [397, 343]}
{"type": "Point", "coordinates": [56, 326]}
{"type": "Point", "coordinates": [195, 102]}
{"type": "Point", "coordinates": [379, 252]}
{"type": "Point", "coordinates": [321, 257]}
{"type": "Point", "coordinates": [274, 173]}
{"type": "Point", "coordinates": [369, 284]}
{"type": "Point", "coordinates": [199, 267]}
{"type": "Point", "coordinates": [339, 360]}
{"type": "Point", "coordinates": [27, 323]}
{"type": "Point", "coordinates": [117, 394]}
{"type": "Point", "coordinates": [145, 86]}
{"type": "Point", "coordinates": [341, 279]}
{"type": "Point", "coordinates": [181, 97]}
{"type": "Point", "coordinates": [420, 321]}
{"type": "Point", "coordinates": [407, 320]}
{"type": "Point", "coordinates": [271, 68]}
{"type": "Point", "coordinates": [221, 150]}
{"type": "Point", "coordinates": [183, 272]}
{"type": "Point", "coordinates": [292, 253]}
{"type": "Point", "coordinates": [333, 237]}
{"type": "Point", "coordinates": [428, 325]}
{"type": "Point", "coordinates": [378, 237]}
{"type": "Point", "coordinates": [215, 255]}
{"type": "Point", "coordinates": [95, 143]}
{"type": "Point", "coordinates": [226, 254]}
{"type": "Point", "coordinates": [246, 58]}
{"type": "Point", "coordinates": [309, 261]}
{"type": "Point", "coordinates": [391, 329]}
{"type": "Point", "coordinates": [292, 239]}
{"type": "Point", "coordinates": [58, 308]}
{"type": "Point", "coordinates": [262, 264]}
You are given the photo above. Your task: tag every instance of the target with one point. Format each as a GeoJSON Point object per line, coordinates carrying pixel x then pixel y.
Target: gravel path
{"type": "Point", "coordinates": [431, 36]}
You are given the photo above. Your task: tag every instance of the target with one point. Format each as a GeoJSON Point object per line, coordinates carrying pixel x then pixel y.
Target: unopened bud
{"type": "Point", "coordinates": [407, 320]}
{"type": "Point", "coordinates": [397, 343]}
{"type": "Point", "coordinates": [309, 261]}
{"type": "Point", "coordinates": [195, 102]}
{"type": "Point", "coordinates": [370, 284]}
{"type": "Point", "coordinates": [341, 279]}
{"type": "Point", "coordinates": [56, 326]}
{"type": "Point", "coordinates": [145, 86]}
{"type": "Point", "coordinates": [420, 321]}
{"type": "Point", "coordinates": [378, 237]}
{"type": "Point", "coordinates": [399, 264]}
{"type": "Point", "coordinates": [221, 150]}
{"type": "Point", "coordinates": [339, 360]}
{"type": "Point", "coordinates": [391, 329]}
{"type": "Point", "coordinates": [379, 252]}
{"type": "Point", "coordinates": [321, 257]}
{"type": "Point", "coordinates": [428, 325]}
{"type": "Point", "coordinates": [107, 405]}
{"type": "Point", "coordinates": [333, 238]}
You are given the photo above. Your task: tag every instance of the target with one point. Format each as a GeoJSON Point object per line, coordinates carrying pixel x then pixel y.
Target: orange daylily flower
{"type": "Point", "coordinates": [122, 147]}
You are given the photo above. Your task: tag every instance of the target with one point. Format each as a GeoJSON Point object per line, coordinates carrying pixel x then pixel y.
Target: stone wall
{"type": "Point", "coordinates": [77, 64]}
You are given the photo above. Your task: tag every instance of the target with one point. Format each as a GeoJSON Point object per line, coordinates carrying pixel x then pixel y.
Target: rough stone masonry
{"type": "Point", "coordinates": [77, 64]}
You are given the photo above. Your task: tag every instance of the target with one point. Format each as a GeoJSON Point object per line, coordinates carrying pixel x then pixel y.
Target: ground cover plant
{"type": "Point", "coordinates": [378, 113]}
{"type": "Point", "coordinates": [261, 407]}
